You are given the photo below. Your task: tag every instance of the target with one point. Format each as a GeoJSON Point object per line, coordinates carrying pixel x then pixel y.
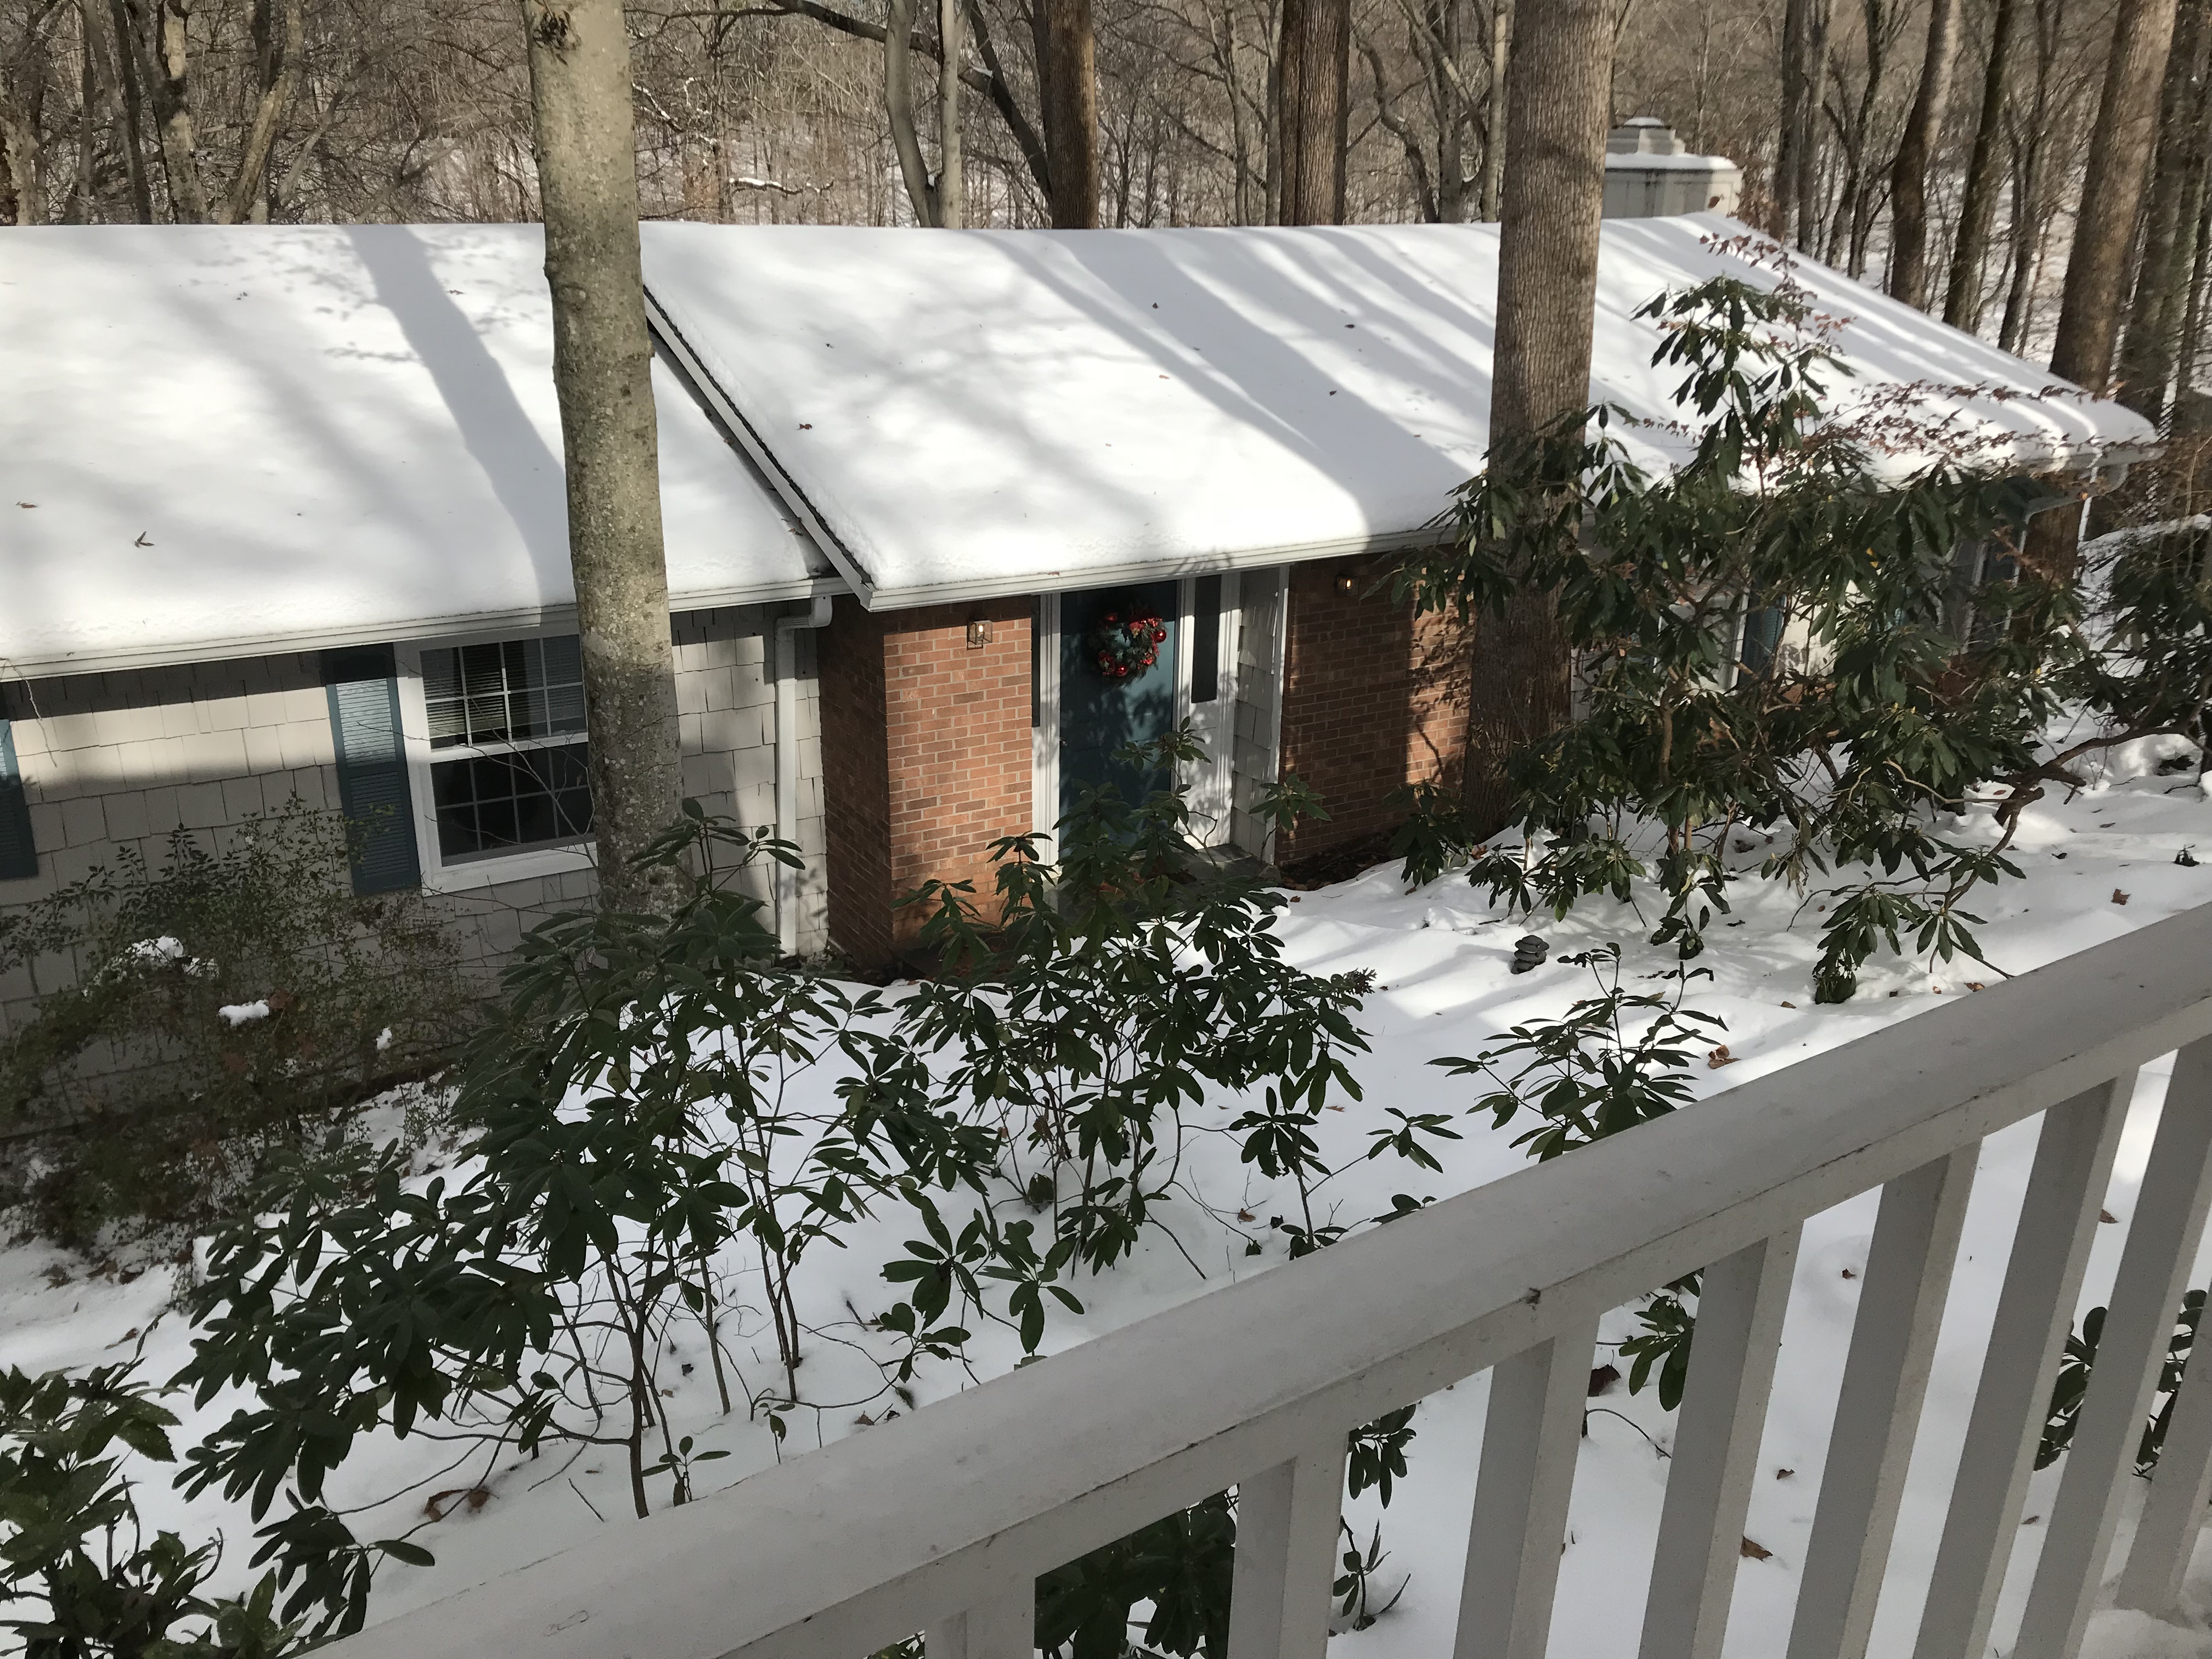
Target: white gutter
{"type": "Point", "coordinates": [786, 669]}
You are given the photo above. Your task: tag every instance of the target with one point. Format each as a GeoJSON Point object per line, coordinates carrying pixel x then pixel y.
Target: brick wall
{"type": "Point", "coordinates": [1374, 697]}
{"type": "Point", "coordinates": [856, 782]}
{"type": "Point", "coordinates": [929, 745]}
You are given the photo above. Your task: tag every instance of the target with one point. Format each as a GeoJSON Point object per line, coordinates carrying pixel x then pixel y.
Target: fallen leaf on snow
{"type": "Point", "coordinates": [1720, 1057]}
{"type": "Point", "coordinates": [2119, 897]}
{"type": "Point", "coordinates": [1753, 1552]}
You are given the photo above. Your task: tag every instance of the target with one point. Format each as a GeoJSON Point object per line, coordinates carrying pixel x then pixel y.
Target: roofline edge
{"type": "Point", "coordinates": [723, 410]}
{"type": "Point", "coordinates": [459, 626]}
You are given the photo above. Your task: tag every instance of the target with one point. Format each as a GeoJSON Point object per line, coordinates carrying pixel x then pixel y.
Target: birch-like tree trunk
{"type": "Point", "coordinates": [280, 85]}
{"type": "Point", "coordinates": [1493, 144]}
{"type": "Point", "coordinates": [167, 75]}
{"type": "Point", "coordinates": [951, 192]}
{"type": "Point", "coordinates": [1908, 178]}
{"type": "Point", "coordinates": [586, 146]}
{"type": "Point", "coordinates": [1963, 295]}
{"type": "Point", "coordinates": [1070, 92]}
{"type": "Point", "coordinates": [1314, 90]}
{"type": "Point", "coordinates": [1558, 105]}
{"type": "Point", "coordinates": [898, 109]}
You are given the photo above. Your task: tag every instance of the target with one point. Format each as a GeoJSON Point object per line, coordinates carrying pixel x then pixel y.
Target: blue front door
{"type": "Point", "coordinates": [1099, 713]}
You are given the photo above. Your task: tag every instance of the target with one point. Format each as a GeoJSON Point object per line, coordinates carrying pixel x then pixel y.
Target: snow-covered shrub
{"type": "Point", "coordinates": [231, 999]}
{"type": "Point", "coordinates": [1822, 625]}
{"type": "Point", "coordinates": [633, 1120]}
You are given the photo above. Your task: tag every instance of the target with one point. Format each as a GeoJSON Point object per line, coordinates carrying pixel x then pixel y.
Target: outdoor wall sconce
{"type": "Point", "coordinates": [1346, 583]}
{"type": "Point", "coordinates": [979, 634]}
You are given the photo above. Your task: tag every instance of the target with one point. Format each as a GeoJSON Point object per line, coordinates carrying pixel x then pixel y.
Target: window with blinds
{"type": "Point", "coordinates": [506, 728]}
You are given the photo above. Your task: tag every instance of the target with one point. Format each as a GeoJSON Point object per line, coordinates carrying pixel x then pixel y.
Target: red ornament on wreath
{"type": "Point", "coordinates": [1122, 648]}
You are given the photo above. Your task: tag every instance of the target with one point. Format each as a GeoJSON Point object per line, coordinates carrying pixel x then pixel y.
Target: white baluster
{"type": "Point", "coordinates": [1529, 1440]}
{"type": "Point", "coordinates": [1717, 1441]}
{"type": "Point", "coordinates": [2169, 1220]}
{"type": "Point", "coordinates": [1003, 1628]}
{"type": "Point", "coordinates": [1908, 1276]}
{"type": "Point", "coordinates": [2165, 1537]}
{"type": "Point", "coordinates": [1286, 1528]}
{"type": "Point", "coordinates": [2035, 1310]}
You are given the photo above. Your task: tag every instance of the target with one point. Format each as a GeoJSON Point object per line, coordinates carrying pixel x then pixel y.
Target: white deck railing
{"type": "Point", "coordinates": [942, 1521]}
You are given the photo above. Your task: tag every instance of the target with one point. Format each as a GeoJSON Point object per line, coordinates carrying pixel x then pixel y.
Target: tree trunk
{"type": "Point", "coordinates": [1315, 102]}
{"type": "Point", "coordinates": [951, 182]}
{"type": "Point", "coordinates": [579, 86]}
{"type": "Point", "coordinates": [169, 86]}
{"type": "Point", "coordinates": [1808, 133]}
{"type": "Point", "coordinates": [2192, 321]}
{"type": "Point", "coordinates": [898, 107]}
{"type": "Point", "coordinates": [2177, 184]}
{"type": "Point", "coordinates": [1071, 113]}
{"type": "Point", "coordinates": [1556, 110]}
{"type": "Point", "coordinates": [1798, 114]}
{"type": "Point", "coordinates": [2026, 251]}
{"type": "Point", "coordinates": [1962, 297]}
{"type": "Point", "coordinates": [280, 82]}
{"type": "Point", "coordinates": [2120, 146]}
{"type": "Point", "coordinates": [1908, 179]}
{"type": "Point", "coordinates": [130, 97]}
{"type": "Point", "coordinates": [1493, 146]}
{"type": "Point", "coordinates": [19, 140]}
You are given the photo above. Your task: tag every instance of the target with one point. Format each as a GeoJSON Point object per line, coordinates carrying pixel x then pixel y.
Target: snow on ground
{"type": "Point", "coordinates": [1443, 988]}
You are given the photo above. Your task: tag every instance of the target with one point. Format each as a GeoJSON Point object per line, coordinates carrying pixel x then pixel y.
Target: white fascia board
{"type": "Point", "coordinates": [1053, 581]}
{"type": "Point", "coordinates": [717, 403]}
{"type": "Point", "coordinates": [533, 619]}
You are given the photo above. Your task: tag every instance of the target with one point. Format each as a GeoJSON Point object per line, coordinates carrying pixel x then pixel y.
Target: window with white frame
{"type": "Point", "coordinates": [509, 764]}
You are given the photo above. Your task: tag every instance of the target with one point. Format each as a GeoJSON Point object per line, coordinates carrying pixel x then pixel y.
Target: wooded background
{"type": "Point", "coordinates": [1935, 146]}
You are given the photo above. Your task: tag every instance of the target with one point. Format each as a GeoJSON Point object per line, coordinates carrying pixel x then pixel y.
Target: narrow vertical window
{"type": "Point", "coordinates": [19, 855]}
{"type": "Point", "coordinates": [1206, 641]}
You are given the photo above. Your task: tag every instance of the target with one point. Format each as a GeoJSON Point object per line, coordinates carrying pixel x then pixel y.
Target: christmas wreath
{"type": "Point", "coordinates": [1124, 646]}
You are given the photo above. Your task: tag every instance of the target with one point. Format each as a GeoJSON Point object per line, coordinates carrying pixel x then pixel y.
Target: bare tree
{"type": "Point", "coordinates": [586, 151]}
{"type": "Point", "coordinates": [1964, 292]}
{"type": "Point", "coordinates": [2120, 147]}
{"type": "Point", "coordinates": [1908, 246]}
{"type": "Point", "coordinates": [1493, 148]}
{"type": "Point", "coordinates": [2177, 185]}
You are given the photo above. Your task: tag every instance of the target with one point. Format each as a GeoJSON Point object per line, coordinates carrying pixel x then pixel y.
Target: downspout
{"type": "Point", "coordinates": [787, 764]}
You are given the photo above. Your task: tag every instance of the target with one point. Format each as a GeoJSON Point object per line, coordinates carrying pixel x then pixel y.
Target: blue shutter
{"type": "Point", "coordinates": [19, 856]}
{"type": "Point", "coordinates": [1762, 639]}
{"type": "Point", "coordinates": [373, 791]}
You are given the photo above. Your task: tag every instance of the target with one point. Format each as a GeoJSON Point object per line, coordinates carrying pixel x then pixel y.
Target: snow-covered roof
{"type": "Point", "coordinates": [219, 441]}
{"type": "Point", "coordinates": [963, 413]}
